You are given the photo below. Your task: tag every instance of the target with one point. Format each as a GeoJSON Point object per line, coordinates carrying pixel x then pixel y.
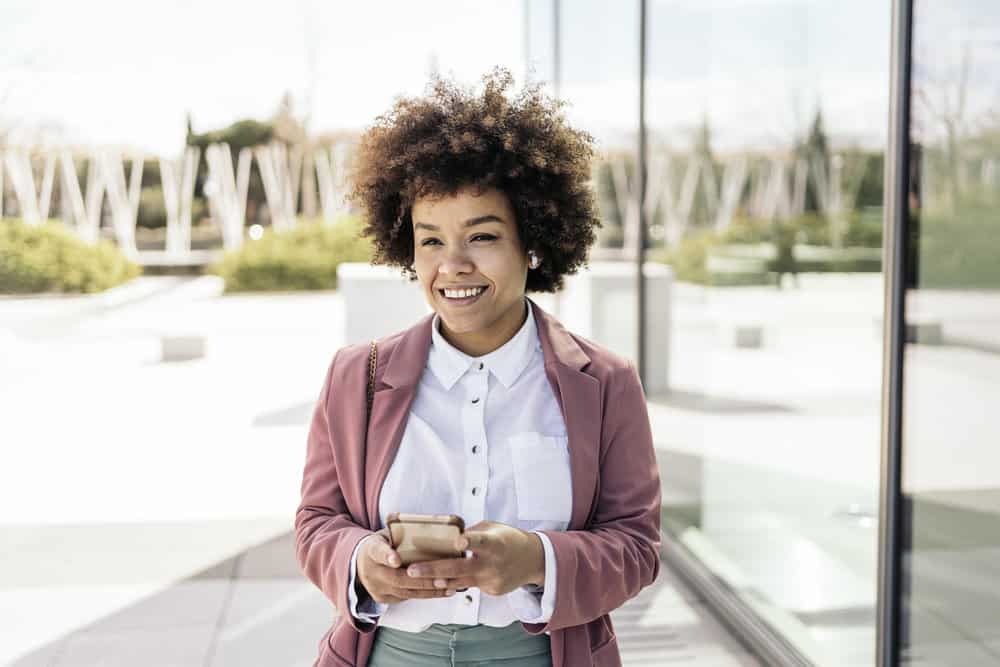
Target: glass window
{"type": "Point", "coordinates": [767, 133]}
{"type": "Point", "coordinates": [951, 483]}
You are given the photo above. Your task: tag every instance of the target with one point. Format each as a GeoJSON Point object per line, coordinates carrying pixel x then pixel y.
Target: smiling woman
{"type": "Point", "coordinates": [451, 139]}
{"type": "Point", "coordinates": [472, 265]}
{"type": "Point", "coordinates": [488, 409]}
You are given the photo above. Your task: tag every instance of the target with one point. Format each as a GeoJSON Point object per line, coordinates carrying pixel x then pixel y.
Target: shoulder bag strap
{"type": "Point", "coordinates": [372, 361]}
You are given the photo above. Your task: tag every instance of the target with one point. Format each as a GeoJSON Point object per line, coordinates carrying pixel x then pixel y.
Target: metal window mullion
{"type": "Point", "coordinates": [640, 253]}
{"type": "Point", "coordinates": [897, 186]}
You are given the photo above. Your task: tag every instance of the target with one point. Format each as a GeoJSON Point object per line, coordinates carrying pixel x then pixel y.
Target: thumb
{"type": "Point", "coordinates": [382, 552]}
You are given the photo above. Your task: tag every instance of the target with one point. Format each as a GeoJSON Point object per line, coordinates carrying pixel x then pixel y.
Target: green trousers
{"type": "Point", "coordinates": [460, 646]}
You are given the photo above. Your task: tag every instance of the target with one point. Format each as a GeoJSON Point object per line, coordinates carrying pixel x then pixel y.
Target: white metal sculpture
{"type": "Point", "coordinates": [281, 173]}
{"type": "Point", "coordinates": [82, 213]}
{"type": "Point", "coordinates": [178, 179]}
{"type": "Point", "coordinates": [123, 198]}
{"type": "Point", "coordinates": [33, 202]}
{"type": "Point", "coordinates": [331, 173]}
{"type": "Point", "coordinates": [625, 200]}
{"type": "Point", "coordinates": [227, 192]}
{"type": "Point", "coordinates": [734, 178]}
{"type": "Point", "coordinates": [836, 199]}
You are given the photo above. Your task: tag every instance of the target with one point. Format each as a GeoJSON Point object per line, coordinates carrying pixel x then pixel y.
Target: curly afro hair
{"type": "Point", "coordinates": [452, 138]}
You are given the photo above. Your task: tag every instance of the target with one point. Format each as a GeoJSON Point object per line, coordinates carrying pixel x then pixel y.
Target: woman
{"type": "Point", "coordinates": [488, 408]}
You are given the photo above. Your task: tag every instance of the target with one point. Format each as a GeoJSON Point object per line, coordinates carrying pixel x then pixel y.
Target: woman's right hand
{"type": "Point", "coordinates": [379, 572]}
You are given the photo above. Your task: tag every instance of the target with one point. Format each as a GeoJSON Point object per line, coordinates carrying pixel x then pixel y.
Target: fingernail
{"type": "Point", "coordinates": [413, 572]}
{"type": "Point", "coordinates": [440, 583]}
{"type": "Point", "coordinates": [449, 592]}
{"type": "Point", "coordinates": [468, 553]}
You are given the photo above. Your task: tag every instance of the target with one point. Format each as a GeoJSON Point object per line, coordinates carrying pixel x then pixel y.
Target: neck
{"type": "Point", "coordinates": [478, 343]}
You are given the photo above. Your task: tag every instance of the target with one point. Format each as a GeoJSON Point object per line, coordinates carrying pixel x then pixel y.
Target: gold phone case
{"type": "Point", "coordinates": [420, 537]}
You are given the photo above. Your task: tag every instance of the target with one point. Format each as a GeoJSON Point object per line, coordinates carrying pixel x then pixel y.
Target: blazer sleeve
{"type": "Point", "coordinates": [325, 533]}
{"type": "Point", "coordinates": [618, 554]}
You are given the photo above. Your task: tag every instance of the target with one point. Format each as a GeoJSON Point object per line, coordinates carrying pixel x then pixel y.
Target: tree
{"type": "Point", "coordinates": [815, 147]}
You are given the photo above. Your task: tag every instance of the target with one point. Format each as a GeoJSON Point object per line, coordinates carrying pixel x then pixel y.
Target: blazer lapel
{"type": "Point", "coordinates": [395, 390]}
{"type": "Point", "coordinates": [579, 397]}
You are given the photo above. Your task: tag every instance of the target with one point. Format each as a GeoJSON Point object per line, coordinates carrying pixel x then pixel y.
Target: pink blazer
{"type": "Point", "coordinates": [608, 554]}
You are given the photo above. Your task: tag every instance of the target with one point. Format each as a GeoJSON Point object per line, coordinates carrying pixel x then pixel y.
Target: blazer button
{"type": "Point", "coordinates": [480, 365]}
{"type": "Point", "coordinates": [475, 400]}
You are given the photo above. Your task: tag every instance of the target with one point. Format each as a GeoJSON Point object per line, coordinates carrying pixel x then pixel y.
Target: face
{"type": "Point", "coordinates": [470, 240]}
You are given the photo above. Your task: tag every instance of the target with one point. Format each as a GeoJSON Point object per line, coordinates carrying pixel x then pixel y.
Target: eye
{"type": "Point", "coordinates": [488, 237]}
{"type": "Point", "coordinates": [428, 241]}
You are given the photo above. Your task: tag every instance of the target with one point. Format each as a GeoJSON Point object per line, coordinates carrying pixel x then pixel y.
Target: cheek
{"type": "Point", "coordinates": [424, 274]}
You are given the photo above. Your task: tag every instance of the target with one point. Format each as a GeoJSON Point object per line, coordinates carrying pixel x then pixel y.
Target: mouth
{"type": "Point", "coordinates": [461, 297]}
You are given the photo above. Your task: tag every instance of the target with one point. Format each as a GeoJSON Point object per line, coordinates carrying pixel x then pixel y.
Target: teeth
{"type": "Point", "coordinates": [462, 293]}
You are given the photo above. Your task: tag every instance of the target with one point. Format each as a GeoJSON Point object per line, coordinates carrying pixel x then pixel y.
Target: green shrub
{"type": "Point", "coordinates": [50, 258]}
{"type": "Point", "coordinates": [305, 258]}
{"type": "Point", "coordinates": [957, 249]}
{"type": "Point", "coordinates": [753, 251]}
{"type": "Point", "coordinates": [153, 211]}
{"type": "Point", "coordinates": [689, 259]}
{"type": "Point", "coordinates": [864, 229]}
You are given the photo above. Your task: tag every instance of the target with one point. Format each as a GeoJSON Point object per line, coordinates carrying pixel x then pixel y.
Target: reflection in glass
{"type": "Point", "coordinates": [767, 127]}
{"type": "Point", "coordinates": [951, 483]}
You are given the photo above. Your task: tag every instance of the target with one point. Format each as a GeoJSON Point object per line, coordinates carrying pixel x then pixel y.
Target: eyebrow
{"type": "Point", "coordinates": [482, 219]}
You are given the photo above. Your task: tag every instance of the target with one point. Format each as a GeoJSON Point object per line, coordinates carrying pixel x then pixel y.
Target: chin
{"type": "Point", "coordinates": [463, 325]}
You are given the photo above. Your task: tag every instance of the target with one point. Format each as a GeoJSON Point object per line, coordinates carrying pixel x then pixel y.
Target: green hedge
{"type": "Point", "coordinates": [958, 249]}
{"type": "Point", "coordinates": [305, 258]}
{"type": "Point", "coordinates": [50, 258]}
{"type": "Point", "coordinates": [153, 210]}
{"type": "Point", "coordinates": [753, 252]}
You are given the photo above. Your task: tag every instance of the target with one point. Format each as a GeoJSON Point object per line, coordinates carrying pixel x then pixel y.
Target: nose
{"type": "Point", "coordinates": [455, 262]}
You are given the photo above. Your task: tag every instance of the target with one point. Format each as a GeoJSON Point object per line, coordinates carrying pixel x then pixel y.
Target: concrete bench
{"type": "Point", "coordinates": [180, 347]}
{"type": "Point", "coordinates": [599, 303]}
{"type": "Point", "coordinates": [377, 300]}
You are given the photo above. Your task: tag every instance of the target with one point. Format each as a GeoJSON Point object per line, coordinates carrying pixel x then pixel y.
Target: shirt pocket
{"type": "Point", "coordinates": [542, 481]}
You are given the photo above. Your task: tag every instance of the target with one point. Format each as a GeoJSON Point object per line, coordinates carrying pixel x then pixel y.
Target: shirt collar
{"type": "Point", "coordinates": [507, 362]}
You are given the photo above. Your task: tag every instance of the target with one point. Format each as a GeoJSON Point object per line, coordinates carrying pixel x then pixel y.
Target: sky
{"type": "Point", "coordinates": [126, 72]}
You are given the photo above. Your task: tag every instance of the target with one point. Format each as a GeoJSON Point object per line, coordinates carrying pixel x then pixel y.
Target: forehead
{"type": "Point", "coordinates": [466, 203]}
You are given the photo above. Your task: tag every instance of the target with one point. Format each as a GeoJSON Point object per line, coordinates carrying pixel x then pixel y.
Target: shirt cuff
{"type": "Point", "coordinates": [369, 610]}
{"type": "Point", "coordinates": [530, 603]}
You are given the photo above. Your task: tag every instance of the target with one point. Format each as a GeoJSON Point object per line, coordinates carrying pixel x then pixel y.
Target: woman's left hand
{"type": "Point", "coordinates": [503, 558]}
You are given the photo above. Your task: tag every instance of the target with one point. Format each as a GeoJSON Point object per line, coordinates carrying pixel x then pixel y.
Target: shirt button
{"type": "Point", "coordinates": [480, 365]}
{"type": "Point", "coordinates": [475, 400]}
{"type": "Point", "coordinates": [475, 448]}
{"type": "Point", "coordinates": [468, 599]}
{"type": "Point", "coordinates": [475, 490]}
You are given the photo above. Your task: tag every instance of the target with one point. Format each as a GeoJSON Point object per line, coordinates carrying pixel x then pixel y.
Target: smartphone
{"type": "Point", "coordinates": [420, 537]}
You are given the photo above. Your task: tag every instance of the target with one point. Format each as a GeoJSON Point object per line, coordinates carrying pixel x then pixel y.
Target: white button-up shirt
{"type": "Point", "coordinates": [485, 439]}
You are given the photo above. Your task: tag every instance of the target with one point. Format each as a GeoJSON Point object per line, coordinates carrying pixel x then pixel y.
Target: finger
{"type": "Point", "coordinates": [476, 541]}
{"type": "Point", "coordinates": [382, 552]}
{"type": "Point", "coordinates": [446, 568]}
{"type": "Point", "coordinates": [400, 579]}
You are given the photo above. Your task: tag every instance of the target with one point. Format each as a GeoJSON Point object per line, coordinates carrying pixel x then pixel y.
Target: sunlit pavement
{"type": "Point", "coordinates": [255, 609]}
{"type": "Point", "coordinates": [146, 506]}
{"type": "Point", "coordinates": [124, 476]}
